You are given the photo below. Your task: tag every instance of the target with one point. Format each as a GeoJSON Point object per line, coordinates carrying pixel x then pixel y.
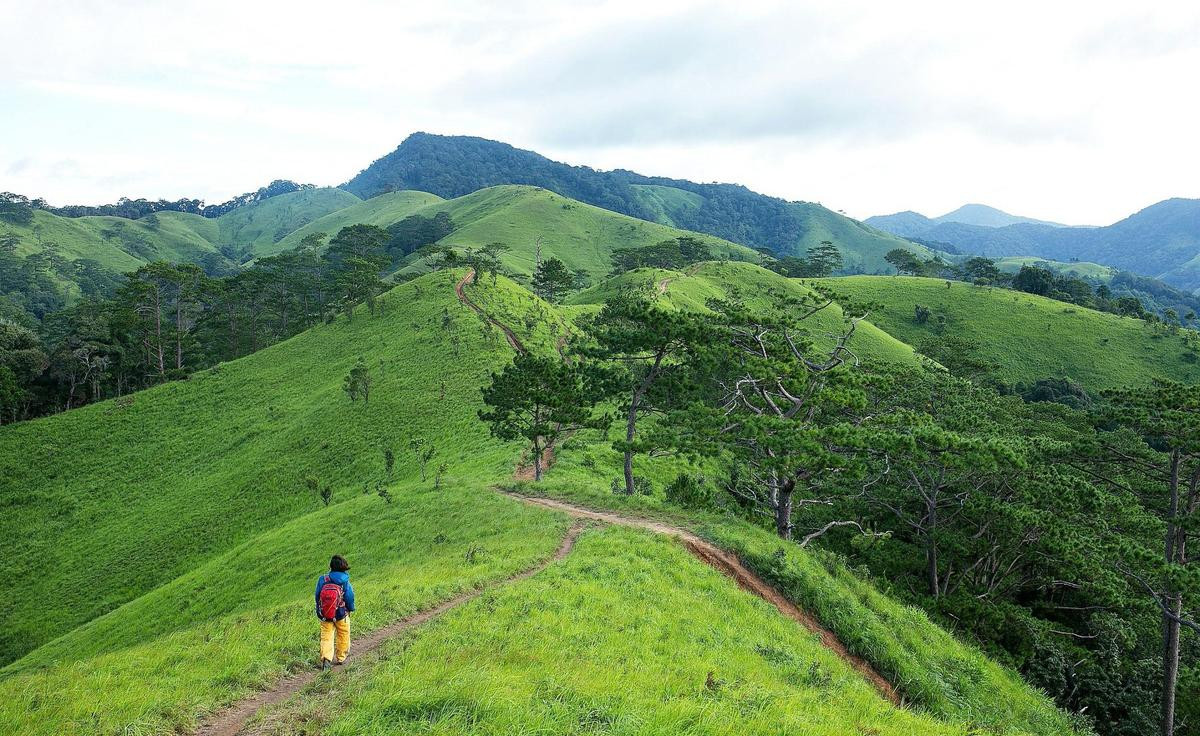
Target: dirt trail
{"type": "Point", "coordinates": [728, 564]}
{"type": "Point", "coordinates": [232, 720]}
{"type": "Point", "coordinates": [664, 284]}
{"type": "Point", "coordinates": [461, 293]}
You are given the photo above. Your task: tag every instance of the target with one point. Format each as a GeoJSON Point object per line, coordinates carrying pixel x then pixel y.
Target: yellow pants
{"type": "Point", "coordinates": [342, 628]}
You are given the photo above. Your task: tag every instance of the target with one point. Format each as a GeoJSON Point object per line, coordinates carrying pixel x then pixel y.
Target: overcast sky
{"type": "Point", "coordinates": [1077, 112]}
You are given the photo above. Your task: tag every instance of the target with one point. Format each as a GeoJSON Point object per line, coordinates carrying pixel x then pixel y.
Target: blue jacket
{"type": "Point", "coordinates": [342, 579]}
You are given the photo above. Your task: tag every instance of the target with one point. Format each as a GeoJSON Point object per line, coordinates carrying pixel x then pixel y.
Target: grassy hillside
{"type": "Point", "coordinates": [381, 211]}
{"type": "Point", "coordinates": [754, 285]}
{"type": "Point", "coordinates": [117, 245]}
{"type": "Point", "coordinates": [115, 499]}
{"type": "Point", "coordinates": [1028, 337]}
{"type": "Point", "coordinates": [171, 540]}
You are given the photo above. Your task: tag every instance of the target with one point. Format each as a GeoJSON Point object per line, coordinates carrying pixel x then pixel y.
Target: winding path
{"type": "Point", "coordinates": [232, 720]}
{"type": "Point", "coordinates": [729, 565]}
{"type": "Point", "coordinates": [460, 291]}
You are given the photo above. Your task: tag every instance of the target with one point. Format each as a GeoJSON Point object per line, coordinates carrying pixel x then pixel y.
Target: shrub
{"type": "Point", "coordinates": [689, 491]}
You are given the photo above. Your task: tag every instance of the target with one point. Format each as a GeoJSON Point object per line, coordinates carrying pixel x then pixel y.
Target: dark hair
{"type": "Point", "coordinates": [337, 563]}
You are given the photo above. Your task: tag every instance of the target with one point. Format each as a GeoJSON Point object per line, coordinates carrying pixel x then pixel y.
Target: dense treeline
{"type": "Point", "coordinates": [18, 209]}
{"type": "Point", "coordinates": [1053, 536]}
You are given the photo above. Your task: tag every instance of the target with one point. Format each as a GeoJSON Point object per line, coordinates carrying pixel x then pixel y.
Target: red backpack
{"type": "Point", "coordinates": [331, 599]}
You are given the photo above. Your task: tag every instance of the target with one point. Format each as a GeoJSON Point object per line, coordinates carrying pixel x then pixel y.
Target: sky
{"type": "Point", "coordinates": [1078, 112]}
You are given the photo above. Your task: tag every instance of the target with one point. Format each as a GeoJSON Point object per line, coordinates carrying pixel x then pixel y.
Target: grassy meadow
{"type": "Point", "coordinates": [1028, 337]}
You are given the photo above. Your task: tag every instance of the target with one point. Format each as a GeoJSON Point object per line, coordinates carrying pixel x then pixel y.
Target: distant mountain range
{"type": "Point", "coordinates": [451, 166]}
{"type": "Point", "coordinates": [1162, 241]}
{"type": "Point", "coordinates": [914, 224]}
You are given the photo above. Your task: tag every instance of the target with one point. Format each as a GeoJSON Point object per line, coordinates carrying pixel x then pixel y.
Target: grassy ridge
{"type": "Point", "coordinates": [1028, 337]}
{"type": "Point", "coordinates": [757, 287]}
{"type": "Point", "coordinates": [580, 235]}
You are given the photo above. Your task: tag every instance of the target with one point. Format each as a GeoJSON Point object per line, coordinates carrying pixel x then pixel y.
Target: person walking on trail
{"type": "Point", "coordinates": [335, 603]}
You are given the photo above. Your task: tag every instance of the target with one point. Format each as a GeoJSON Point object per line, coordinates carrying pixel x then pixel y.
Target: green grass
{"type": "Point", "coordinates": [381, 211]}
{"type": "Point", "coordinates": [1028, 337]}
{"type": "Point", "coordinates": [121, 245]}
{"type": "Point", "coordinates": [621, 637]}
{"type": "Point", "coordinates": [171, 544]}
{"type": "Point", "coordinates": [667, 203]}
{"type": "Point", "coordinates": [581, 235]}
{"type": "Point", "coordinates": [244, 619]}
{"type": "Point", "coordinates": [259, 226]}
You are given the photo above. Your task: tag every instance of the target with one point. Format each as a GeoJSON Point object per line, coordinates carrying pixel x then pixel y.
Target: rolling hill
{"type": "Point", "coordinates": [85, 256]}
{"type": "Point", "coordinates": [1028, 337]}
{"type": "Point", "coordinates": [171, 538]}
{"type": "Point", "coordinates": [755, 286]}
{"type": "Point", "coordinates": [452, 166]}
{"type": "Point", "coordinates": [525, 218]}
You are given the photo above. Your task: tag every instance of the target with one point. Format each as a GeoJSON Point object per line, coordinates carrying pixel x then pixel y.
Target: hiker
{"type": "Point", "coordinates": [335, 603]}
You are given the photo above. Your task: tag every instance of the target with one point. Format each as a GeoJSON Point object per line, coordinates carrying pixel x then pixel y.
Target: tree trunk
{"type": "Point", "coordinates": [630, 424]}
{"type": "Point", "coordinates": [179, 333]}
{"type": "Point", "coordinates": [931, 553]}
{"type": "Point", "coordinates": [537, 461]}
{"type": "Point", "coordinates": [783, 509]}
{"type": "Point", "coordinates": [1174, 603]}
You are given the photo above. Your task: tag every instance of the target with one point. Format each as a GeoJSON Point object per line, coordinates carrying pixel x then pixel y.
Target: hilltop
{"type": "Point", "coordinates": [1028, 337]}
{"type": "Point", "coordinates": [452, 166]}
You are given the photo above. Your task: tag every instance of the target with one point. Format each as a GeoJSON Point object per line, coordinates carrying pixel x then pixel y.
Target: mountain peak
{"type": "Point", "coordinates": [986, 216]}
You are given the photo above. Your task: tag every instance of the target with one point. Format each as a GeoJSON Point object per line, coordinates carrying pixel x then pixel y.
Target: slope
{"type": "Point", "coordinates": [115, 499]}
{"type": "Point", "coordinates": [1098, 350]}
{"type": "Point", "coordinates": [87, 255]}
{"type": "Point", "coordinates": [381, 211]}
{"type": "Point", "coordinates": [754, 285]}
{"type": "Point", "coordinates": [982, 214]}
{"type": "Point", "coordinates": [186, 511]}
{"type": "Point", "coordinates": [451, 166]}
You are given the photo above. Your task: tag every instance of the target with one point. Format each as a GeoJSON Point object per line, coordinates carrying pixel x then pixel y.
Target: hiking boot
{"type": "Point", "coordinates": [339, 662]}
{"type": "Point", "coordinates": [325, 665]}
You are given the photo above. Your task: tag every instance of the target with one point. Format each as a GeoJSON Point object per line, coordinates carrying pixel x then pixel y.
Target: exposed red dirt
{"type": "Point", "coordinates": [232, 720]}
{"type": "Point", "coordinates": [730, 565]}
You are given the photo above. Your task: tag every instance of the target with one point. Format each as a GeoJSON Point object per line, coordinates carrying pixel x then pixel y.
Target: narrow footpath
{"type": "Point", "coordinates": [232, 720]}
{"type": "Point", "coordinates": [729, 565]}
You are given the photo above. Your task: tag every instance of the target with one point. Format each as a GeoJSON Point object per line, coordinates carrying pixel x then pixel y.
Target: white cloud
{"type": "Point", "coordinates": [1079, 112]}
